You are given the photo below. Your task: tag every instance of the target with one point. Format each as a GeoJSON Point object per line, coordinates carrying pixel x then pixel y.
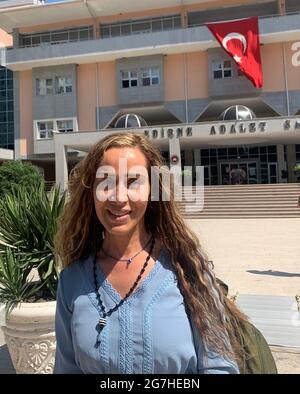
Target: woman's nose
{"type": "Point", "coordinates": [121, 192]}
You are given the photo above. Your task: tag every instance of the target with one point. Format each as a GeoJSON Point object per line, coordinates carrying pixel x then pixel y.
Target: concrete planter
{"type": "Point", "coordinates": [30, 337]}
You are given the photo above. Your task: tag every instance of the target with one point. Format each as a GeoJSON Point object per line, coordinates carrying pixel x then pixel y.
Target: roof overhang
{"type": "Point", "coordinates": [259, 131]}
{"type": "Point", "coordinates": [30, 15]}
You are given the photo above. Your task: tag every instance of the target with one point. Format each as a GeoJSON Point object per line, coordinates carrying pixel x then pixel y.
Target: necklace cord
{"type": "Point", "coordinates": [104, 314]}
{"type": "Point", "coordinates": [131, 258]}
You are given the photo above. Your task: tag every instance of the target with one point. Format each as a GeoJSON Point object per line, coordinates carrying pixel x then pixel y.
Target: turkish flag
{"type": "Point", "coordinates": [240, 39]}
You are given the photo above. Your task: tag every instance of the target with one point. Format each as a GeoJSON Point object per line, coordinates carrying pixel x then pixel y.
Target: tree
{"type": "Point", "coordinates": [14, 174]}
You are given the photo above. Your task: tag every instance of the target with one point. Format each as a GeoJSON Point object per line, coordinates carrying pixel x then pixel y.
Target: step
{"type": "Point", "coordinates": [242, 188]}
{"type": "Point", "coordinates": [217, 217]}
{"type": "Point", "coordinates": [242, 213]}
{"type": "Point", "coordinates": [242, 196]}
{"type": "Point", "coordinates": [242, 204]}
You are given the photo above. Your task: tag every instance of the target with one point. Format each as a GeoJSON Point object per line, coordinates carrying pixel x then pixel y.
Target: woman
{"type": "Point", "coordinates": [137, 294]}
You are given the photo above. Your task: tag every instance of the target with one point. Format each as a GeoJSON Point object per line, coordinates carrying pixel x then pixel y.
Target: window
{"type": "Point", "coordinates": [150, 76]}
{"type": "Point", "coordinates": [63, 85]}
{"type": "Point", "coordinates": [140, 26]}
{"type": "Point", "coordinates": [129, 79]}
{"type": "Point", "coordinates": [222, 69]}
{"type": "Point", "coordinates": [45, 129]}
{"type": "Point", "coordinates": [65, 126]}
{"type": "Point", "coordinates": [44, 86]}
{"type": "Point", "coordinates": [57, 36]}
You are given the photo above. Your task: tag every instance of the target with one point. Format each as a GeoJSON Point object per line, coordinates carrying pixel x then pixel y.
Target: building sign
{"type": "Point", "coordinates": [235, 128]}
{"type": "Point", "coordinates": [170, 132]}
{"type": "Point", "coordinates": [226, 128]}
{"type": "Point", "coordinates": [251, 127]}
{"type": "Point", "coordinates": [296, 55]}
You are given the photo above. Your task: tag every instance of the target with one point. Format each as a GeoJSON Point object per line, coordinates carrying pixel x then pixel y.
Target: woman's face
{"type": "Point", "coordinates": [121, 190]}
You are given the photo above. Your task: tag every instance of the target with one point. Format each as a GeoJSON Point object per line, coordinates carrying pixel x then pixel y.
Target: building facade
{"type": "Point", "coordinates": [6, 100]}
{"type": "Point", "coordinates": [90, 62]}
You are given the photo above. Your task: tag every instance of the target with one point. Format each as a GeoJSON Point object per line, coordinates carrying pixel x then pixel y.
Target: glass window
{"type": "Point", "coordinates": [167, 24]}
{"type": "Point", "coordinates": [126, 29]}
{"type": "Point", "coordinates": [59, 36]}
{"type": "Point", "coordinates": [74, 35]}
{"type": "Point", "coordinates": [9, 94]}
{"type": "Point", "coordinates": [253, 151]}
{"type": "Point", "coordinates": [157, 25]}
{"type": "Point", "coordinates": [3, 139]}
{"type": "Point", "coordinates": [44, 86]}
{"type": "Point", "coordinates": [105, 31]}
{"type": "Point", "coordinates": [83, 34]}
{"type": "Point", "coordinates": [3, 117]}
{"type": "Point", "coordinates": [221, 69]}
{"type": "Point", "coordinates": [10, 138]}
{"type": "Point", "coordinates": [63, 85]}
{"type": "Point", "coordinates": [140, 26]}
{"type": "Point", "coordinates": [3, 84]}
{"type": "Point", "coordinates": [129, 79]}
{"type": "Point", "coordinates": [115, 31]}
{"type": "Point", "coordinates": [45, 130]}
{"type": "Point", "coordinates": [45, 38]}
{"type": "Point", "coordinates": [10, 127]}
{"type": "Point", "coordinates": [26, 41]}
{"type": "Point", "coordinates": [35, 40]}
{"type": "Point", "coordinates": [271, 149]}
{"type": "Point", "coordinates": [3, 128]}
{"type": "Point", "coordinates": [10, 116]}
{"type": "Point", "coordinates": [150, 76]}
{"type": "Point", "coordinates": [65, 126]}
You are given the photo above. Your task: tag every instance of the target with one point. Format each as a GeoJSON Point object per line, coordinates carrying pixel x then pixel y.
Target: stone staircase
{"type": "Point", "coordinates": [244, 201]}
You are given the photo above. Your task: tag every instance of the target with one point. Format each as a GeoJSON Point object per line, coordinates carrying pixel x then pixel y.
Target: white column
{"type": "Point", "coordinates": [174, 150]}
{"type": "Point", "coordinates": [281, 165]}
{"type": "Point", "coordinates": [61, 165]}
{"type": "Point", "coordinates": [175, 168]}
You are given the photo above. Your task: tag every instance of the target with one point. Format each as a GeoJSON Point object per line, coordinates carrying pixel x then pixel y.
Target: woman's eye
{"type": "Point", "coordinates": [106, 183]}
{"type": "Point", "coordinates": [133, 182]}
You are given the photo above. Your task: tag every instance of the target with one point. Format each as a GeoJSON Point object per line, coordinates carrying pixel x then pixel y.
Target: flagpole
{"type": "Point", "coordinates": [286, 81]}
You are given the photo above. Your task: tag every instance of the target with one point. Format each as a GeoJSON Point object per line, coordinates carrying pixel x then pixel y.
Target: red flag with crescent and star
{"type": "Point", "coordinates": [240, 39]}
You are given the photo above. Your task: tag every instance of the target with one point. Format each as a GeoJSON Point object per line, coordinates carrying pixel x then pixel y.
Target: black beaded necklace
{"type": "Point", "coordinates": [104, 314]}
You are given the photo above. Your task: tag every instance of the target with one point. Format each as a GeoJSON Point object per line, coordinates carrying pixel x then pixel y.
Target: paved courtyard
{"type": "Point", "coordinates": [254, 256]}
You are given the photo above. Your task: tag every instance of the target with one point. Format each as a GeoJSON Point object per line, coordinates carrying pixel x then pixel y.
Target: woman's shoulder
{"type": "Point", "coordinates": [76, 271]}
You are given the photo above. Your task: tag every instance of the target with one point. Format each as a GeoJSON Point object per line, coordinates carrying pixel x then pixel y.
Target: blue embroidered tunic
{"type": "Point", "coordinates": [150, 333]}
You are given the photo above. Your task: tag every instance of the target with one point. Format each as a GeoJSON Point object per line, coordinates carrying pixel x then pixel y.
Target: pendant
{"type": "Point", "coordinates": [102, 323]}
{"type": "Point", "coordinates": [129, 261]}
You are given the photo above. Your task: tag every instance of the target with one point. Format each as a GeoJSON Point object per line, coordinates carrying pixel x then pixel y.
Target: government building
{"type": "Point", "coordinates": [83, 69]}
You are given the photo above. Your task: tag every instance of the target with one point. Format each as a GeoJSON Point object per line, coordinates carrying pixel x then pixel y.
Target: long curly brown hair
{"type": "Point", "coordinates": [80, 233]}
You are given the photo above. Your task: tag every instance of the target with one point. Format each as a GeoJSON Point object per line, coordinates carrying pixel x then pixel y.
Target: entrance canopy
{"type": "Point", "coordinates": [175, 138]}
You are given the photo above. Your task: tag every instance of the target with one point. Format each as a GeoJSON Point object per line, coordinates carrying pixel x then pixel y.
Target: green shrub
{"type": "Point", "coordinates": [28, 223]}
{"type": "Point", "coordinates": [14, 174]}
